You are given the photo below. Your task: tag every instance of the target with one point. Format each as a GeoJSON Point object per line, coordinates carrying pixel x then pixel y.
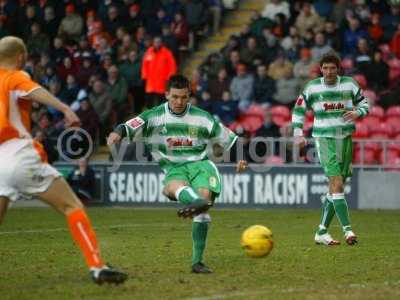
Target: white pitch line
{"type": "Point", "coordinates": [285, 291]}
{"type": "Point", "coordinates": [95, 227]}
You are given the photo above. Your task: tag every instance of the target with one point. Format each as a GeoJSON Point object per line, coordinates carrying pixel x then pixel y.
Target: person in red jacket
{"type": "Point", "coordinates": [157, 67]}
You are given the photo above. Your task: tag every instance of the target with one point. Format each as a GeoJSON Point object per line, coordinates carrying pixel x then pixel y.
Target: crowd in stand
{"type": "Point", "coordinates": [99, 55]}
{"type": "Point", "coordinates": [265, 66]}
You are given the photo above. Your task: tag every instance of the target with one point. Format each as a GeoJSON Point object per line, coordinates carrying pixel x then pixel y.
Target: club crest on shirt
{"type": "Point", "coordinates": [212, 181]}
{"type": "Point", "coordinates": [193, 131]}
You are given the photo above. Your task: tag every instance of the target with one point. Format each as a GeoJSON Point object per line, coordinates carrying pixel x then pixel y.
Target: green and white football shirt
{"type": "Point", "coordinates": [329, 103]}
{"type": "Point", "coordinates": [175, 139]}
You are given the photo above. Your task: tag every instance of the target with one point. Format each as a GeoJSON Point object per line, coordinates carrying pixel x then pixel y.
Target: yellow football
{"type": "Point", "coordinates": [257, 241]}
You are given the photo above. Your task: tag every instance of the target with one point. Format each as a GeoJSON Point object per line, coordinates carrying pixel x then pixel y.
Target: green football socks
{"type": "Point", "coordinates": [342, 211]}
{"type": "Point", "coordinates": [328, 212]}
{"type": "Point", "coordinates": [186, 195]}
{"type": "Point", "coordinates": [199, 236]}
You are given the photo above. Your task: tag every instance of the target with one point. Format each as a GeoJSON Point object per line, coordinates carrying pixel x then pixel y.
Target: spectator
{"type": "Point", "coordinates": [206, 102]}
{"type": "Point", "coordinates": [196, 16]}
{"type": "Point", "coordinates": [218, 85]}
{"type": "Point", "coordinates": [157, 67]}
{"type": "Point", "coordinates": [215, 7]}
{"type": "Point", "coordinates": [89, 119]}
{"type": "Point", "coordinates": [390, 21]}
{"type": "Point", "coordinates": [66, 68]}
{"type": "Point", "coordinates": [170, 40]}
{"type": "Point", "coordinates": [287, 88]}
{"type": "Point", "coordinates": [332, 36]}
{"type": "Point", "coordinates": [118, 88]}
{"type": "Point", "coordinates": [270, 45]}
{"type": "Point", "coordinates": [232, 62]}
{"type": "Point", "coordinates": [378, 73]}
{"type": "Point", "coordinates": [363, 56]}
{"type": "Point", "coordinates": [49, 76]}
{"type": "Point", "coordinates": [70, 90]}
{"type": "Point", "coordinates": [156, 24]}
{"type": "Point", "coordinates": [25, 24]}
{"type": "Point", "coordinates": [130, 70]}
{"type": "Point", "coordinates": [38, 42]}
{"type": "Point", "coordinates": [226, 109]}
{"type": "Point", "coordinates": [308, 19]}
{"type": "Point", "coordinates": [71, 25]}
{"type": "Point", "coordinates": [86, 69]}
{"type": "Point", "coordinates": [324, 8]}
{"type": "Point", "coordinates": [58, 52]}
{"type": "Point", "coordinates": [180, 29]}
{"type": "Point", "coordinates": [250, 51]}
{"type": "Point", "coordinates": [51, 23]}
{"type": "Point", "coordinates": [302, 68]}
{"type": "Point", "coordinates": [320, 48]}
{"type": "Point", "coordinates": [113, 20]}
{"type": "Point", "coordinates": [375, 29]}
{"type": "Point", "coordinates": [49, 145]}
{"type": "Point", "coordinates": [197, 83]}
{"type": "Point", "coordinates": [268, 130]}
{"type": "Point", "coordinates": [101, 101]}
{"type": "Point", "coordinates": [82, 180]}
{"type": "Point", "coordinates": [352, 35]}
{"type": "Point", "coordinates": [275, 7]}
{"type": "Point", "coordinates": [264, 86]}
{"type": "Point", "coordinates": [395, 42]}
{"type": "Point", "coordinates": [242, 86]}
{"type": "Point", "coordinates": [40, 68]}
{"type": "Point", "coordinates": [135, 20]}
{"type": "Point", "coordinates": [280, 67]}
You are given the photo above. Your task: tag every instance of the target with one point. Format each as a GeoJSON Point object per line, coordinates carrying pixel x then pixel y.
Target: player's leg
{"type": "Point", "coordinates": [3, 207]}
{"type": "Point", "coordinates": [336, 187]}
{"type": "Point", "coordinates": [177, 188]}
{"type": "Point", "coordinates": [60, 196]}
{"type": "Point", "coordinates": [327, 155]}
{"type": "Point", "coordinates": [200, 227]}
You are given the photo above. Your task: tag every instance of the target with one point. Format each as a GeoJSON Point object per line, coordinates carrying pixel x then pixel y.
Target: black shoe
{"type": "Point", "coordinates": [107, 274]}
{"type": "Point", "coordinates": [193, 209]}
{"type": "Point", "coordinates": [201, 268]}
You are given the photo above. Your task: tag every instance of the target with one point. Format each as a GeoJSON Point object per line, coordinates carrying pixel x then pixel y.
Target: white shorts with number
{"type": "Point", "coordinates": [22, 171]}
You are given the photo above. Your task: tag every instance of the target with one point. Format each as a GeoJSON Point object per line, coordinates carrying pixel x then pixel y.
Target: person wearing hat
{"type": "Point", "coordinates": [72, 24]}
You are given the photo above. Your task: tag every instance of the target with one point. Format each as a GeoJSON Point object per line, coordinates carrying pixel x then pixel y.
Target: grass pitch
{"type": "Point", "coordinates": [38, 259]}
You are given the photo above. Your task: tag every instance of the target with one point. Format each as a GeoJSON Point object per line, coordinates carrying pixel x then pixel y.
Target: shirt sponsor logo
{"type": "Point", "coordinates": [333, 106]}
{"type": "Point", "coordinates": [179, 142]}
{"type": "Point", "coordinates": [135, 122]}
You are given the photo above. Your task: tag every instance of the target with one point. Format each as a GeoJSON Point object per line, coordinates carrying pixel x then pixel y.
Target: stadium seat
{"type": "Point", "coordinates": [371, 121]}
{"type": "Point", "coordinates": [366, 157]}
{"type": "Point", "coordinates": [251, 123]}
{"type": "Point", "coordinates": [377, 111]}
{"type": "Point", "coordinates": [393, 164]}
{"type": "Point", "coordinates": [389, 155]}
{"type": "Point", "coordinates": [362, 81]}
{"type": "Point", "coordinates": [381, 130]}
{"type": "Point", "coordinates": [393, 111]}
{"type": "Point", "coordinates": [395, 123]}
{"type": "Point", "coordinates": [394, 69]}
{"type": "Point", "coordinates": [256, 110]}
{"type": "Point", "coordinates": [371, 95]}
{"type": "Point", "coordinates": [280, 110]}
{"type": "Point", "coordinates": [361, 132]}
{"type": "Point", "coordinates": [274, 160]}
{"type": "Point", "coordinates": [347, 64]}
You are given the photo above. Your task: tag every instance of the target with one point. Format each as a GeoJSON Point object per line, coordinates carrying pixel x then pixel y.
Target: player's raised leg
{"type": "Point", "coordinates": [61, 197]}
{"type": "Point", "coordinates": [180, 190]}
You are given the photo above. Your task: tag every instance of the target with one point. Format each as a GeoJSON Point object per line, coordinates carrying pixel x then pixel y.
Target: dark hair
{"type": "Point", "coordinates": [330, 57]}
{"type": "Point", "coordinates": [178, 82]}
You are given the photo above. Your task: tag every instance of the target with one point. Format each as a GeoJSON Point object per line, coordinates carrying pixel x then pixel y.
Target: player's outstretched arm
{"type": "Point", "coordinates": [42, 96]}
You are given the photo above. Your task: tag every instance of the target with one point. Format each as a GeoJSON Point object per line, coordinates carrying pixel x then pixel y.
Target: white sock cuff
{"type": "Point", "coordinates": [179, 190]}
{"type": "Point", "coordinates": [202, 218]}
{"type": "Point", "coordinates": [338, 196]}
{"type": "Point", "coordinates": [321, 227]}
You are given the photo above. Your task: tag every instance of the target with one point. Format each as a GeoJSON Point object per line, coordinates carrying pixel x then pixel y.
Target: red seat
{"type": "Point", "coordinates": [371, 121]}
{"type": "Point", "coordinates": [251, 123]}
{"type": "Point", "coordinates": [256, 110]}
{"type": "Point", "coordinates": [371, 95]}
{"type": "Point", "coordinates": [381, 130]}
{"type": "Point", "coordinates": [274, 160]}
{"type": "Point", "coordinates": [280, 110]}
{"type": "Point", "coordinates": [362, 81]}
{"type": "Point", "coordinates": [394, 164]}
{"type": "Point", "coordinates": [394, 122]}
{"type": "Point", "coordinates": [366, 157]}
{"type": "Point", "coordinates": [393, 111]}
{"type": "Point", "coordinates": [394, 146]}
{"type": "Point", "coordinates": [347, 64]}
{"type": "Point", "coordinates": [377, 111]}
{"type": "Point", "coordinates": [362, 131]}
{"type": "Point", "coordinates": [280, 120]}
{"type": "Point", "coordinates": [389, 156]}
{"type": "Point", "coordinates": [309, 116]}
{"type": "Point", "coordinates": [376, 147]}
